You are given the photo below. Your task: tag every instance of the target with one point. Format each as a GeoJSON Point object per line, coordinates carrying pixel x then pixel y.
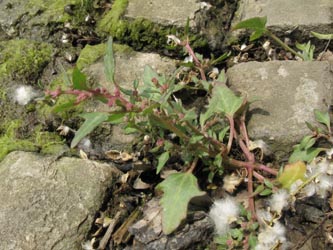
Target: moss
{"type": "Point", "coordinates": [111, 22]}
{"type": "Point", "coordinates": [140, 33]}
{"type": "Point", "coordinates": [9, 141]}
{"type": "Point", "coordinates": [91, 53]}
{"type": "Point", "coordinates": [53, 11]}
{"type": "Point", "coordinates": [23, 59]}
{"type": "Point", "coordinates": [41, 141]}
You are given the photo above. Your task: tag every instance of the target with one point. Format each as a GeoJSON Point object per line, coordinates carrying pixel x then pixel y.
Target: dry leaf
{"type": "Point", "coordinates": [331, 201]}
{"type": "Point", "coordinates": [230, 182]}
{"type": "Point", "coordinates": [83, 155]}
{"type": "Point", "coordinates": [139, 184]}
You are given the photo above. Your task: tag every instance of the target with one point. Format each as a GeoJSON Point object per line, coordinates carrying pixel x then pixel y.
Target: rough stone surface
{"type": "Point", "coordinates": [48, 204]}
{"type": "Point", "coordinates": [286, 15]}
{"type": "Point", "coordinates": [163, 12]}
{"type": "Point", "coordinates": [288, 92]}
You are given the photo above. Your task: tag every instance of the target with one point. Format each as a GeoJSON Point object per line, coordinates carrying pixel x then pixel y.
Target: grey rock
{"type": "Point", "coordinates": [286, 15]}
{"type": "Point", "coordinates": [48, 203]}
{"type": "Point", "coordinates": [287, 93]}
{"type": "Point", "coordinates": [163, 12]}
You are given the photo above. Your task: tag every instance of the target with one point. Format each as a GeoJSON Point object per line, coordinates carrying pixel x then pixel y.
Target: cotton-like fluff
{"type": "Point", "coordinates": [279, 200]}
{"type": "Point", "coordinates": [223, 212]}
{"type": "Point", "coordinates": [272, 235]}
{"type": "Point", "coordinates": [24, 94]}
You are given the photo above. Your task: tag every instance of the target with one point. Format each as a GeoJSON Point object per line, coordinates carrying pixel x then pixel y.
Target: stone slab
{"type": "Point", "coordinates": [286, 15]}
{"type": "Point", "coordinates": [163, 12]}
{"type": "Point", "coordinates": [287, 93]}
{"type": "Point", "coordinates": [48, 203]}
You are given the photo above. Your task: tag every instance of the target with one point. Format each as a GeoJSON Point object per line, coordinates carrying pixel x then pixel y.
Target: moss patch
{"type": "Point", "coordinates": [140, 33]}
{"type": "Point", "coordinates": [23, 59]}
{"type": "Point", "coordinates": [91, 53]}
{"type": "Point", "coordinates": [42, 141]}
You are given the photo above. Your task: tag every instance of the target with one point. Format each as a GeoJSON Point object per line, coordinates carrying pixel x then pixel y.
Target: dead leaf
{"type": "Point", "coordinates": [139, 184]}
{"type": "Point", "coordinates": [331, 202]}
{"type": "Point", "coordinates": [230, 182]}
{"type": "Point", "coordinates": [83, 155]}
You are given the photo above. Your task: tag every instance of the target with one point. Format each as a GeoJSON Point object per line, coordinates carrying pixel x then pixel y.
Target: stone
{"type": "Point", "coordinates": [49, 203]}
{"type": "Point", "coordinates": [163, 12]}
{"type": "Point", "coordinates": [286, 15]}
{"type": "Point", "coordinates": [287, 93]}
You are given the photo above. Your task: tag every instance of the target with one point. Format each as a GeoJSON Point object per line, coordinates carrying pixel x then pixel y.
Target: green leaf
{"type": "Point", "coordinates": [257, 24]}
{"type": "Point", "coordinates": [323, 117]}
{"type": "Point", "coordinates": [65, 106]}
{"type": "Point", "coordinates": [224, 101]}
{"type": "Point", "coordinates": [109, 62]}
{"type": "Point", "coordinates": [307, 50]}
{"type": "Point", "coordinates": [322, 36]}
{"type": "Point", "coordinates": [265, 192]}
{"type": "Point", "coordinates": [91, 122]}
{"type": "Point", "coordinates": [291, 173]}
{"type": "Point", "coordinates": [307, 142]}
{"type": "Point", "coordinates": [149, 89]}
{"type": "Point", "coordinates": [162, 159]}
{"type": "Point", "coordinates": [178, 189]}
{"type": "Point", "coordinates": [304, 155]}
{"type": "Point", "coordinates": [116, 118]}
{"type": "Point", "coordinates": [79, 80]}
{"type": "Point", "coordinates": [195, 139]}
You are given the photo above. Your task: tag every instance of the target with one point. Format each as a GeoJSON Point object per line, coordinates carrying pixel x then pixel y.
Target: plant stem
{"type": "Point", "coordinates": [232, 133]}
{"type": "Point", "coordinates": [283, 45]}
{"type": "Point", "coordinates": [196, 60]}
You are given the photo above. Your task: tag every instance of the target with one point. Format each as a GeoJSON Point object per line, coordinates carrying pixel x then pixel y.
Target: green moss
{"type": "Point", "coordinates": [41, 141]}
{"type": "Point", "coordinates": [9, 141]}
{"type": "Point", "coordinates": [140, 33]}
{"type": "Point", "coordinates": [53, 11]}
{"type": "Point", "coordinates": [23, 59]}
{"type": "Point", "coordinates": [91, 53]}
{"type": "Point", "coordinates": [111, 22]}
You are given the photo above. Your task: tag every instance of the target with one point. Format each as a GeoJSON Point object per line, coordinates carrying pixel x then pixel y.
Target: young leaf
{"type": "Point", "coordinates": [322, 36]}
{"type": "Point", "coordinates": [257, 24]}
{"type": "Point", "coordinates": [291, 173]}
{"type": "Point", "coordinates": [162, 159]}
{"type": "Point", "coordinates": [109, 62]}
{"type": "Point", "coordinates": [225, 101]}
{"type": "Point", "coordinates": [304, 155]}
{"type": "Point", "coordinates": [91, 122]}
{"type": "Point", "coordinates": [178, 189]}
{"type": "Point", "coordinates": [79, 80]}
{"type": "Point", "coordinates": [322, 117]}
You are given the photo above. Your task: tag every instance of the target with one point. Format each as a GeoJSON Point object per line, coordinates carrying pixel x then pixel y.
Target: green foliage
{"type": "Point", "coordinates": [323, 117]}
{"type": "Point", "coordinates": [91, 122]}
{"type": "Point", "coordinates": [307, 50]}
{"type": "Point", "coordinates": [257, 24]}
{"type": "Point", "coordinates": [178, 189]}
{"type": "Point", "coordinates": [305, 150]}
{"type": "Point", "coordinates": [79, 80]}
{"type": "Point", "coordinates": [109, 62]}
{"type": "Point", "coordinates": [322, 36]}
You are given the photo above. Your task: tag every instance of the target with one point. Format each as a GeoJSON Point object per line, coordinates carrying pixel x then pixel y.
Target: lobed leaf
{"type": "Point", "coordinates": [178, 189]}
{"type": "Point", "coordinates": [91, 122]}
